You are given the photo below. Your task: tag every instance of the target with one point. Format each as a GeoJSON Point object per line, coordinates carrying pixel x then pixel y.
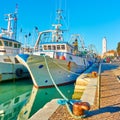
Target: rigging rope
{"type": "Point", "coordinates": [65, 69]}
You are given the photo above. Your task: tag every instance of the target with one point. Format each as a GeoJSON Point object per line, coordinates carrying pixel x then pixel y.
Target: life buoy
{"type": "Point", "coordinates": [19, 72]}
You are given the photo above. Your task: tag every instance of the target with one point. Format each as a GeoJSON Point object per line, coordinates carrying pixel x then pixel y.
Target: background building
{"type": "Point", "coordinates": [104, 45]}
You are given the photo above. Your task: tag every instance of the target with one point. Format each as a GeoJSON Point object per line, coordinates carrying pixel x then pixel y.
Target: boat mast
{"type": "Point", "coordinates": [58, 33]}
{"type": "Point", "coordinates": [15, 23]}
{"type": "Point", "coordinates": [59, 16]}
{"type": "Point", "coordinates": [11, 30]}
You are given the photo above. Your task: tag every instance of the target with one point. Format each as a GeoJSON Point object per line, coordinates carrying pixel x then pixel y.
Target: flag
{"type": "Point", "coordinates": [36, 28]}
{"type": "Point", "coordinates": [21, 30]}
{"type": "Point", "coordinates": [25, 36]}
{"type": "Point", "coordinates": [29, 34]}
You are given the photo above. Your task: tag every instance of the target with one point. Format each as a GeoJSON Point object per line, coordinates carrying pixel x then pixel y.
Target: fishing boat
{"type": "Point", "coordinates": [10, 68]}
{"type": "Point", "coordinates": [56, 60]}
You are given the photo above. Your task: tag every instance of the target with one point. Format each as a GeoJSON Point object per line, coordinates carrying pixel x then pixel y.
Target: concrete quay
{"type": "Point", "coordinates": [85, 86]}
{"type": "Point", "coordinates": [109, 100]}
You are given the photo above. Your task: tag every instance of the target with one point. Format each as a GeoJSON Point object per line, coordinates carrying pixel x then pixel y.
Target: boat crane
{"type": "Point", "coordinates": [92, 48]}
{"type": "Point", "coordinates": [79, 38]}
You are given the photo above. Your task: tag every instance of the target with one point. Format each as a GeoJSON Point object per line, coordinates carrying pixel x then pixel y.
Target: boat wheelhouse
{"type": "Point", "coordinates": [55, 49]}
{"type": "Point", "coordinates": [9, 46]}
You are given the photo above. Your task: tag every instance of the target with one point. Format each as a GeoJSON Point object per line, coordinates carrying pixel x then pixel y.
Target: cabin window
{"type": "Point", "coordinates": [45, 47]}
{"type": "Point", "coordinates": [19, 45]}
{"type": "Point", "coordinates": [7, 60]}
{"type": "Point", "coordinates": [49, 47]}
{"type": "Point", "coordinates": [58, 47]}
{"type": "Point", "coordinates": [63, 47]}
{"type": "Point", "coordinates": [6, 43]}
{"type": "Point", "coordinates": [15, 45]}
{"type": "Point", "coordinates": [10, 44]}
{"type": "Point", "coordinates": [53, 47]}
{"type": "Point", "coordinates": [0, 43]}
{"type": "Point", "coordinates": [2, 50]}
{"type": "Point", "coordinates": [67, 48]}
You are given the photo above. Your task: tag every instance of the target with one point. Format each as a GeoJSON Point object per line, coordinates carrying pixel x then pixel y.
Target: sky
{"type": "Point", "coordinates": [92, 19]}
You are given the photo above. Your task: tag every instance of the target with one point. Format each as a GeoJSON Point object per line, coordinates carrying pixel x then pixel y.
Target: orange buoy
{"type": "Point", "coordinates": [62, 57]}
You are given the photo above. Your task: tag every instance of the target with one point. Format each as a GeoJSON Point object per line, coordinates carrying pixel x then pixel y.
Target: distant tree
{"type": "Point", "coordinates": [118, 49]}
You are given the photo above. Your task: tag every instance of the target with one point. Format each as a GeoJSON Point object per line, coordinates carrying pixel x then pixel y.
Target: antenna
{"type": "Point", "coordinates": [11, 30]}
{"type": "Point", "coordinates": [15, 22]}
{"type": "Point", "coordinates": [59, 16]}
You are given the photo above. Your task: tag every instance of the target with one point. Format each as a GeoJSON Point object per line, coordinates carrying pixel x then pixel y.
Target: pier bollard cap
{"type": "Point", "coordinates": [80, 107]}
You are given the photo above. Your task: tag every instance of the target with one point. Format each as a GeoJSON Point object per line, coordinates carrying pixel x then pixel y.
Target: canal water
{"type": "Point", "coordinates": [20, 98]}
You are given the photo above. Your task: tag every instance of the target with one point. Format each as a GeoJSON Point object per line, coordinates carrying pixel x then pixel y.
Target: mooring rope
{"type": "Point", "coordinates": [64, 97]}
{"type": "Point", "coordinates": [54, 81]}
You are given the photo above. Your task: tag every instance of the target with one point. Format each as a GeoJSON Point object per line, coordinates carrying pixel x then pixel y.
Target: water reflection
{"type": "Point", "coordinates": [20, 100]}
{"type": "Point", "coordinates": [12, 98]}
{"type": "Point", "coordinates": [26, 109]}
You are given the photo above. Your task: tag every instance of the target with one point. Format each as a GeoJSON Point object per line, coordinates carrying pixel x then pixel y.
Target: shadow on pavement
{"type": "Point", "coordinates": [111, 109]}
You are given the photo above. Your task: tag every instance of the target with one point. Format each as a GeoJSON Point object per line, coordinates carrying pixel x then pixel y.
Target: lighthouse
{"type": "Point", "coordinates": [104, 45]}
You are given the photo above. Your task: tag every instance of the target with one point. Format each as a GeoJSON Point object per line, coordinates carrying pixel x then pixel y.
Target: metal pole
{"type": "Point", "coordinates": [99, 84]}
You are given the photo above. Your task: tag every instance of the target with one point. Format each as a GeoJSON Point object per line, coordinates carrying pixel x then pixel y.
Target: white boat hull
{"type": "Point", "coordinates": [12, 71]}
{"type": "Point", "coordinates": [44, 70]}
